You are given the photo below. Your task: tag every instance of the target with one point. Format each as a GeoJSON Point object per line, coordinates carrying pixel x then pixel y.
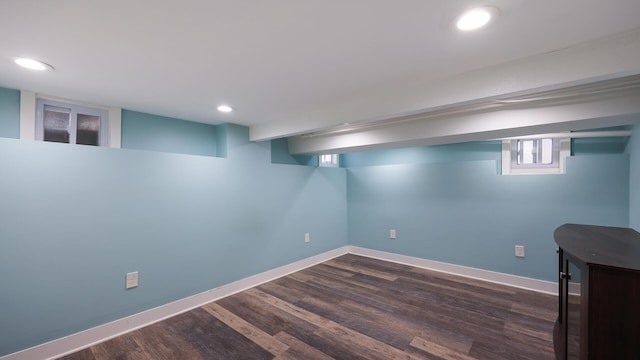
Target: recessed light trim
{"type": "Point", "coordinates": [225, 108]}
{"type": "Point", "coordinates": [32, 64]}
{"type": "Point", "coordinates": [476, 18]}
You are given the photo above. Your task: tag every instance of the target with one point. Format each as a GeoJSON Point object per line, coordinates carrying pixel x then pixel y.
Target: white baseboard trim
{"type": "Point", "coordinates": [83, 339]}
{"type": "Point", "coordinates": [543, 286]}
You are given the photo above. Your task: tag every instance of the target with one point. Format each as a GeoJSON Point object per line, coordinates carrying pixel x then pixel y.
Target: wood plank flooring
{"type": "Point", "coordinates": [352, 307]}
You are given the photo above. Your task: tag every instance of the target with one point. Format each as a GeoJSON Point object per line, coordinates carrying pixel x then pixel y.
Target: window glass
{"type": "Point", "coordinates": [535, 153]}
{"type": "Point", "coordinates": [56, 124]}
{"type": "Point", "coordinates": [71, 123]}
{"type": "Point", "coordinates": [525, 152]}
{"type": "Point", "coordinates": [88, 130]}
{"type": "Point", "coordinates": [328, 160]}
{"type": "Point", "coordinates": [547, 151]}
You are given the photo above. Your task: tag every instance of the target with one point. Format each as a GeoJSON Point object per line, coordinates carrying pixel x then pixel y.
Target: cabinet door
{"type": "Point", "coordinates": [573, 309]}
{"type": "Point", "coordinates": [573, 326]}
{"type": "Point", "coordinates": [614, 313]}
{"type": "Point", "coordinates": [559, 329]}
{"type": "Point", "coordinates": [567, 331]}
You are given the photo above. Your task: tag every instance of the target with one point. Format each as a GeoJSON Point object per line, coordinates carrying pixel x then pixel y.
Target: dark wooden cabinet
{"type": "Point", "coordinates": [601, 320]}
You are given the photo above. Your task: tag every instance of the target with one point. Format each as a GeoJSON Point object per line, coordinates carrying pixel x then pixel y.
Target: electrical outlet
{"type": "Point", "coordinates": [132, 280]}
{"type": "Point", "coordinates": [392, 234]}
{"type": "Point", "coordinates": [307, 237]}
{"type": "Point", "coordinates": [520, 251]}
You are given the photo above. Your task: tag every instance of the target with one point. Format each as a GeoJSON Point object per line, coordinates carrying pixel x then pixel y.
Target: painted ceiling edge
{"type": "Point", "coordinates": [550, 71]}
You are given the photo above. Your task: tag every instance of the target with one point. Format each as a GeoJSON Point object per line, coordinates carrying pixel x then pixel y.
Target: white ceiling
{"type": "Point", "coordinates": [292, 66]}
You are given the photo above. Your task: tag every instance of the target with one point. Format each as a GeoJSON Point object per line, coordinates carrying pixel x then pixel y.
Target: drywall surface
{"type": "Point", "coordinates": [158, 133]}
{"type": "Point", "coordinates": [75, 219]}
{"type": "Point", "coordinates": [9, 113]}
{"type": "Point", "coordinates": [464, 213]}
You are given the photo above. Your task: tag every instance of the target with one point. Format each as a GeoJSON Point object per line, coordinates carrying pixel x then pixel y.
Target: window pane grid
{"type": "Point", "coordinates": [328, 160]}
{"type": "Point", "coordinates": [71, 123]}
{"type": "Point", "coordinates": [535, 153]}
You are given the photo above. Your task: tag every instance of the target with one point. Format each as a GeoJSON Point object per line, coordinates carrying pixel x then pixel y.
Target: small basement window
{"type": "Point", "coordinates": [534, 155]}
{"type": "Point", "coordinates": [71, 123]}
{"type": "Point", "coordinates": [328, 160]}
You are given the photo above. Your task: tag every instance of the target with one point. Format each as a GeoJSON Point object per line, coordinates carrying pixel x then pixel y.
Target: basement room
{"type": "Point", "coordinates": [358, 179]}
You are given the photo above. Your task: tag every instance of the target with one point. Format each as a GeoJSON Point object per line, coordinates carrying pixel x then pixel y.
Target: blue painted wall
{"type": "Point", "coordinates": [157, 133]}
{"type": "Point", "coordinates": [463, 212]}
{"type": "Point", "coordinates": [595, 146]}
{"type": "Point", "coordinates": [479, 150]}
{"type": "Point", "coordinates": [75, 219]}
{"type": "Point", "coordinates": [633, 149]}
{"type": "Point", "coordinates": [9, 113]}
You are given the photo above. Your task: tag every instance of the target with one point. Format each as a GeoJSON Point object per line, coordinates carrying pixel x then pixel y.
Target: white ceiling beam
{"type": "Point", "coordinates": [602, 59]}
{"type": "Point", "coordinates": [575, 135]}
{"type": "Point", "coordinates": [621, 108]}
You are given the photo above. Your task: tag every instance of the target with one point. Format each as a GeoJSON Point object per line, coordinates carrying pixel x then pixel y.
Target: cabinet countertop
{"type": "Point", "coordinates": [601, 245]}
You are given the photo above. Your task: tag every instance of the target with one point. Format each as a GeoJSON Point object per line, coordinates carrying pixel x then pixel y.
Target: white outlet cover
{"type": "Point", "coordinates": [392, 233]}
{"type": "Point", "coordinates": [307, 237]}
{"type": "Point", "coordinates": [132, 280]}
{"type": "Point", "coordinates": [519, 251]}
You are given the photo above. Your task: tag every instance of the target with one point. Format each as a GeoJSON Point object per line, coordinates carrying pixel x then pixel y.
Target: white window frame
{"type": "Point", "coordinates": [329, 160]}
{"type": "Point", "coordinates": [562, 150]}
{"type": "Point", "coordinates": [74, 110]}
{"type": "Point", "coordinates": [28, 117]}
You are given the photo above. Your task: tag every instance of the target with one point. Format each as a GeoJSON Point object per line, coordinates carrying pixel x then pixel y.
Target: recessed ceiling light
{"type": "Point", "coordinates": [32, 64]}
{"type": "Point", "coordinates": [476, 18]}
{"type": "Point", "coordinates": [225, 108]}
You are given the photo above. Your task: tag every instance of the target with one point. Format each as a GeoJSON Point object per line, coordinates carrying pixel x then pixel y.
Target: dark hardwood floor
{"type": "Point", "coordinates": [352, 307]}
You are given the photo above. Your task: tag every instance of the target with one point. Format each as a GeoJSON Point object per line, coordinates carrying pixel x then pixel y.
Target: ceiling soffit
{"type": "Point", "coordinates": [604, 103]}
